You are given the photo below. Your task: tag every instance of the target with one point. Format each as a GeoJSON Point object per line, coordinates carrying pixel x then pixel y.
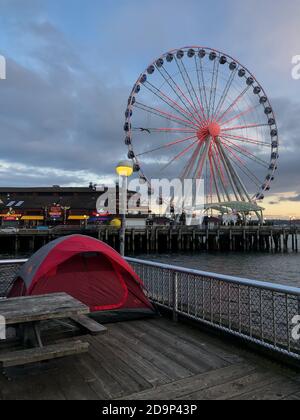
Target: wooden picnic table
{"type": "Point", "coordinates": [26, 314]}
{"type": "Point", "coordinates": [21, 310]}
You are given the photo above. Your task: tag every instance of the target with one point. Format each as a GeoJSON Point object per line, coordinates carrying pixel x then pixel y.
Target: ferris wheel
{"type": "Point", "coordinates": [198, 113]}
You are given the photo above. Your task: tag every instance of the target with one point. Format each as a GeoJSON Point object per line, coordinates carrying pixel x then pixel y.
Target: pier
{"type": "Point", "coordinates": [217, 337]}
{"type": "Point", "coordinates": [155, 359]}
{"type": "Point", "coordinates": [165, 238]}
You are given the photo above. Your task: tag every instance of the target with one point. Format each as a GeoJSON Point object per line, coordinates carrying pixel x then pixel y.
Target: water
{"type": "Point", "coordinates": [276, 268]}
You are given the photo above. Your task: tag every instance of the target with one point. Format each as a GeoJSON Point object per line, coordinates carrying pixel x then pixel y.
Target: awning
{"type": "Point", "coordinates": [10, 215]}
{"type": "Point", "coordinates": [78, 217]}
{"type": "Point", "coordinates": [99, 219]}
{"type": "Point", "coordinates": [32, 218]}
{"type": "Point", "coordinates": [239, 206]}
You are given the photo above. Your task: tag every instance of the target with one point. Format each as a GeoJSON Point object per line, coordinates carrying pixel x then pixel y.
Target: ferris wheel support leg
{"type": "Point", "coordinates": [260, 216]}
{"type": "Point", "coordinates": [202, 159]}
{"type": "Point", "coordinates": [215, 180]}
{"type": "Point", "coordinates": [229, 175]}
{"type": "Point", "coordinates": [237, 180]}
{"type": "Point", "coordinates": [221, 180]}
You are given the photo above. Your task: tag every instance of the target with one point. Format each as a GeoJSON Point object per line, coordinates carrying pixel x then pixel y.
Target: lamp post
{"type": "Point", "coordinates": [124, 169]}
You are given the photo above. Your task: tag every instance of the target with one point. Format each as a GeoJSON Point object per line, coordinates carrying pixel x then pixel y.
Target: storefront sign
{"type": "Point", "coordinates": [55, 212]}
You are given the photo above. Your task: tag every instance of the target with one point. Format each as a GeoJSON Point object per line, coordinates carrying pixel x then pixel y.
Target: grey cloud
{"type": "Point", "coordinates": [288, 175]}
{"type": "Point", "coordinates": [297, 198]}
{"type": "Point", "coordinates": [62, 116]}
{"type": "Point", "coordinates": [291, 198]}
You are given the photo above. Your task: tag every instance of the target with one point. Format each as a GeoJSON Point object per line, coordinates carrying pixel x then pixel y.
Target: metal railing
{"type": "Point", "coordinates": [259, 312]}
{"type": "Point", "coordinates": [8, 271]}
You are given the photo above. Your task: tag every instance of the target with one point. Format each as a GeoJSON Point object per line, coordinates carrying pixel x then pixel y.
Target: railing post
{"type": "Point", "coordinates": [175, 296]}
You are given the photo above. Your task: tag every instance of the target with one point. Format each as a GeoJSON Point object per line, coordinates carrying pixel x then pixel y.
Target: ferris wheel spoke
{"type": "Point", "coordinates": [214, 81]}
{"type": "Point", "coordinates": [172, 104]}
{"type": "Point", "coordinates": [166, 130]}
{"type": "Point", "coordinates": [211, 89]}
{"type": "Point", "coordinates": [164, 115]}
{"type": "Point", "coordinates": [247, 140]}
{"type": "Point", "coordinates": [232, 105]}
{"type": "Point", "coordinates": [252, 181]}
{"type": "Point", "coordinates": [189, 88]}
{"type": "Point", "coordinates": [243, 127]}
{"type": "Point", "coordinates": [246, 153]}
{"type": "Point", "coordinates": [244, 150]}
{"type": "Point", "coordinates": [220, 164]}
{"type": "Point", "coordinates": [244, 168]}
{"type": "Point", "coordinates": [248, 173]}
{"type": "Point", "coordinates": [192, 88]}
{"type": "Point", "coordinates": [225, 93]}
{"type": "Point", "coordinates": [220, 181]}
{"type": "Point", "coordinates": [202, 159]}
{"type": "Point", "coordinates": [191, 162]}
{"type": "Point", "coordinates": [179, 93]}
{"type": "Point", "coordinates": [179, 155]}
{"type": "Point", "coordinates": [221, 177]}
{"type": "Point", "coordinates": [200, 89]}
{"type": "Point", "coordinates": [234, 154]}
{"type": "Point", "coordinates": [234, 158]}
{"type": "Point", "coordinates": [173, 143]}
{"type": "Point", "coordinates": [213, 177]}
{"type": "Point", "coordinates": [203, 84]}
{"type": "Point", "coordinates": [241, 114]}
{"type": "Point", "coordinates": [173, 85]}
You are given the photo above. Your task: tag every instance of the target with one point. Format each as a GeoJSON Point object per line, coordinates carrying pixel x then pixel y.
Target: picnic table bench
{"type": "Point", "coordinates": [26, 315]}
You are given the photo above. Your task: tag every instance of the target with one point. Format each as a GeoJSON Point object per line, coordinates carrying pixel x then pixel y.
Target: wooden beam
{"type": "Point", "coordinates": [89, 325]}
{"type": "Point", "coordinates": [25, 357]}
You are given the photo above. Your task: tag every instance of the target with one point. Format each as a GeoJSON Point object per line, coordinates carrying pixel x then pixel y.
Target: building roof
{"type": "Point", "coordinates": [39, 202]}
{"type": "Point", "coordinates": [38, 198]}
{"type": "Point", "coordinates": [54, 189]}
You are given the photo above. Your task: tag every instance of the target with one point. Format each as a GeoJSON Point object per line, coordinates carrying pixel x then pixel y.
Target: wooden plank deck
{"type": "Point", "coordinates": [156, 359]}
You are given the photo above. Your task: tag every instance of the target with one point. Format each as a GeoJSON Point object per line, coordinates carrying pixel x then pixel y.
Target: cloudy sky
{"type": "Point", "coordinates": [72, 63]}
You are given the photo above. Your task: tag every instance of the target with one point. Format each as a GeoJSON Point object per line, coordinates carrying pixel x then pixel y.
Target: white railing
{"type": "Point", "coordinates": [8, 271]}
{"type": "Point", "coordinates": [260, 312]}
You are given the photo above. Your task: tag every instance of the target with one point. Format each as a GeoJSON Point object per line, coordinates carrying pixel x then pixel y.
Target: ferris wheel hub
{"type": "Point", "coordinates": [211, 129]}
{"type": "Point", "coordinates": [214, 129]}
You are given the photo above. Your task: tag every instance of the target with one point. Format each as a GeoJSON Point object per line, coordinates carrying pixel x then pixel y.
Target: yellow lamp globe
{"type": "Point", "coordinates": [116, 223]}
{"type": "Point", "coordinates": [124, 168]}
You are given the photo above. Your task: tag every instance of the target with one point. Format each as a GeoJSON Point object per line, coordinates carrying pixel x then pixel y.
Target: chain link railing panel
{"type": "Point", "coordinates": [259, 312]}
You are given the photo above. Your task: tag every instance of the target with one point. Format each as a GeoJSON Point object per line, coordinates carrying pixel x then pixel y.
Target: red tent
{"type": "Point", "coordinates": [86, 269]}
